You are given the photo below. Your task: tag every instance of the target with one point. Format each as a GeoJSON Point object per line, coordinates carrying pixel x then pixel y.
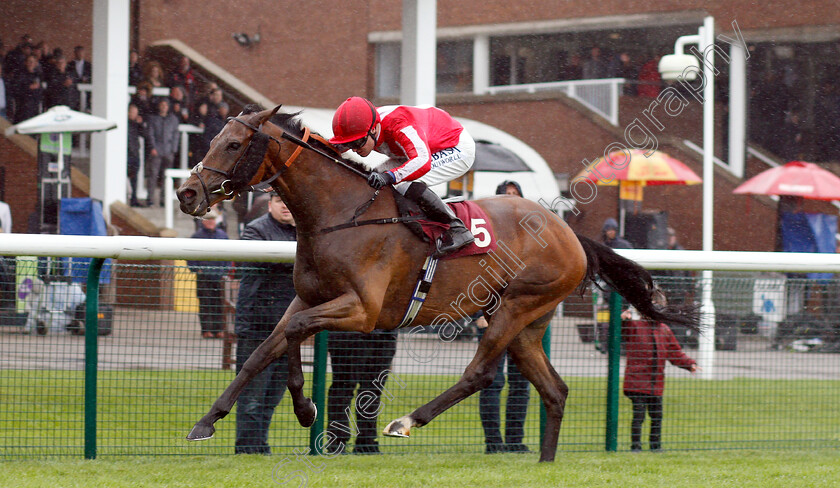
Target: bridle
{"type": "Point", "coordinates": [237, 179]}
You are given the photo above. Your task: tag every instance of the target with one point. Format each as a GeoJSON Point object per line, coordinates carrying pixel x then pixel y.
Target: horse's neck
{"type": "Point", "coordinates": [320, 193]}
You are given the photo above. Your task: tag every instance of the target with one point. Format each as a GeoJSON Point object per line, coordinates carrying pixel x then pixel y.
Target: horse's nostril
{"type": "Point", "coordinates": [187, 195]}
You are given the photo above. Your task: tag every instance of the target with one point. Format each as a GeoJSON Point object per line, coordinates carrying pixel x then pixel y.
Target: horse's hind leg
{"type": "Point", "coordinates": [527, 352]}
{"type": "Point", "coordinates": [504, 326]}
{"type": "Point", "coordinates": [271, 349]}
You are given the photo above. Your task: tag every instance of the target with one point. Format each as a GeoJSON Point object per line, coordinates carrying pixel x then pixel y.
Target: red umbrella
{"type": "Point", "coordinates": [656, 169]}
{"type": "Point", "coordinates": [796, 178]}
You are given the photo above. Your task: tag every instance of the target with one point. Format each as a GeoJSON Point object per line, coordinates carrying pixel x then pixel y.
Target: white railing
{"type": "Point", "coordinates": [155, 248]}
{"type": "Point", "coordinates": [599, 96]}
{"type": "Point", "coordinates": [169, 198]}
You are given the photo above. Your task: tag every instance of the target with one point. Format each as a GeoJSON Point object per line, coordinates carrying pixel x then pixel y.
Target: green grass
{"type": "Point", "coordinates": [737, 469]}
{"type": "Point", "coordinates": [149, 412]}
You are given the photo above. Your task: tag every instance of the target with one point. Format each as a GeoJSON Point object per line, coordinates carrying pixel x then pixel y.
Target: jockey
{"type": "Point", "coordinates": [429, 146]}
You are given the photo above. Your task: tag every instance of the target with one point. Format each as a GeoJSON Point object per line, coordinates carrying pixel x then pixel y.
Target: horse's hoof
{"type": "Point", "coordinates": [201, 432]}
{"type": "Point", "coordinates": [398, 428]}
{"type": "Point", "coordinates": [307, 417]}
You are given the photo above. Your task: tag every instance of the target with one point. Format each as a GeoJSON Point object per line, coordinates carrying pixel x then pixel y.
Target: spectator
{"type": "Point", "coordinates": [162, 141]}
{"type": "Point", "coordinates": [28, 91]}
{"type": "Point", "coordinates": [223, 110]}
{"type": "Point", "coordinates": [48, 62]}
{"type": "Point", "coordinates": [154, 74]}
{"type": "Point", "coordinates": [81, 70]}
{"type": "Point", "coordinates": [649, 78]}
{"type": "Point", "coordinates": [208, 281]}
{"type": "Point", "coordinates": [15, 60]}
{"type": "Point", "coordinates": [213, 123]}
{"type": "Point", "coordinates": [184, 77]}
{"type": "Point", "coordinates": [81, 66]}
{"type": "Point", "coordinates": [135, 129]}
{"type": "Point", "coordinates": [215, 98]}
{"type": "Point", "coordinates": [135, 70]}
{"type": "Point", "coordinates": [4, 93]}
{"type": "Point", "coordinates": [609, 235]}
{"type": "Point", "coordinates": [209, 88]}
{"type": "Point", "coordinates": [572, 70]}
{"type": "Point", "coordinates": [265, 292]}
{"type": "Point", "coordinates": [198, 148]}
{"type": "Point", "coordinates": [178, 104]}
{"type": "Point", "coordinates": [45, 58]}
{"type": "Point", "coordinates": [358, 360]}
{"type": "Point", "coordinates": [648, 346]}
{"type": "Point", "coordinates": [519, 390]}
{"type": "Point", "coordinates": [143, 99]}
{"type": "Point", "coordinates": [595, 67]}
{"type": "Point", "coordinates": [624, 68]}
{"type": "Point", "coordinates": [61, 89]}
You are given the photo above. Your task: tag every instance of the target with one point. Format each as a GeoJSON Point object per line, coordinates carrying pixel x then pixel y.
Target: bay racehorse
{"type": "Point", "coordinates": [362, 278]}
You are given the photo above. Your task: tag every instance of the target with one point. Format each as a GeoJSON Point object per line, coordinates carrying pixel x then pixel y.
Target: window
{"type": "Point", "coordinates": [455, 66]}
{"type": "Point", "coordinates": [388, 69]}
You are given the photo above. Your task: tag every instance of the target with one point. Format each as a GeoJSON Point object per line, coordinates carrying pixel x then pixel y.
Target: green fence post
{"type": "Point", "coordinates": [319, 390]}
{"type": "Point", "coordinates": [614, 367]}
{"type": "Point", "coordinates": [91, 354]}
{"type": "Point", "coordinates": [546, 344]}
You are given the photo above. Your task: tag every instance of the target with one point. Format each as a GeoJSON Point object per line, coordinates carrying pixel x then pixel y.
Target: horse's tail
{"type": "Point", "coordinates": [634, 283]}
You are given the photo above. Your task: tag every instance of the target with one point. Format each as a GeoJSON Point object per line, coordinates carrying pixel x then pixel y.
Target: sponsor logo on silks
{"type": "Point", "coordinates": [445, 156]}
{"type": "Point", "coordinates": [445, 152]}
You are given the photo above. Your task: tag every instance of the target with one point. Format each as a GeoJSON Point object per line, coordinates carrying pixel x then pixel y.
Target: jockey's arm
{"type": "Point", "coordinates": [414, 146]}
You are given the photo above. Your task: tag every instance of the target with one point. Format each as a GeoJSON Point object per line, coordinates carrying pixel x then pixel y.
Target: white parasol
{"type": "Point", "coordinates": [61, 119]}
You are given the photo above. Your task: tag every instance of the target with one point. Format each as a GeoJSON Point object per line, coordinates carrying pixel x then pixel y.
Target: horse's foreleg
{"type": "Point", "coordinates": [343, 313]}
{"type": "Point", "coordinates": [271, 349]}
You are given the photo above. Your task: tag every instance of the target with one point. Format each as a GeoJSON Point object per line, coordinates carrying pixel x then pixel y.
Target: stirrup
{"type": "Point", "coordinates": [443, 248]}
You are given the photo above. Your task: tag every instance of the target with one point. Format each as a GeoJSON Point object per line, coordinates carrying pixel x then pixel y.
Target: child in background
{"type": "Point", "coordinates": [648, 346]}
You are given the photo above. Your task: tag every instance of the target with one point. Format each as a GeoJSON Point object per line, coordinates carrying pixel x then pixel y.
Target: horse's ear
{"type": "Point", "coordinates": [267, 114]}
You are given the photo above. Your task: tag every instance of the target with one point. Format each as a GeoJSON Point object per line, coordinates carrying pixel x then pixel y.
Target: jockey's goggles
{"type": "Point", "coordinates": [353, 145]}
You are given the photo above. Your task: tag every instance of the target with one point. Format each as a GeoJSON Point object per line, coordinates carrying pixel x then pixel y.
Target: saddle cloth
{"type": "Point", "coordinates": [476, 221]}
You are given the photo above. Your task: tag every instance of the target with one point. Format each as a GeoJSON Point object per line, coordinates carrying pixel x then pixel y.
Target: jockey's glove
{"type": "Point", "coordinates": [378, 180]}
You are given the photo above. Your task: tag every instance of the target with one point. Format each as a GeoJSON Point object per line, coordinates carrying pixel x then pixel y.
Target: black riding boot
{"type": "Point", "coordinates": [453, 239]}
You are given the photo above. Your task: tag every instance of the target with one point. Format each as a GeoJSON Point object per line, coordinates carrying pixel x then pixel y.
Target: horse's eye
{"type": "Point", "coordinates": [234, 146]}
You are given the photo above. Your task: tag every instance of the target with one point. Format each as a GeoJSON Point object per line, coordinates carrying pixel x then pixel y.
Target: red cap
{"type": "Point", "coordinates": [353, 119]}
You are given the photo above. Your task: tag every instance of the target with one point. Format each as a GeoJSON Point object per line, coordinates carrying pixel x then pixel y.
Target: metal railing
{"type": "Point", "coordinates": [599, 96]}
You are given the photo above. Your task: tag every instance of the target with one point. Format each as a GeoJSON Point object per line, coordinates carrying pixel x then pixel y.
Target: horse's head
{"type": "Point", "coordinates": [238, 157]}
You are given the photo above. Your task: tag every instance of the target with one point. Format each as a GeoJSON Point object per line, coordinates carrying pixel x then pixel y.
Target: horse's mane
{"type": "Point", "coordinates": [291, 123]}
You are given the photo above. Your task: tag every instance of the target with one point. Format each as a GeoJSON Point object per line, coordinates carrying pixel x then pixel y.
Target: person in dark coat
{"type": "Point", "coordinates": [61, 89]}
{"type": "Point", "coordinates": [648, 346]}
{"type": "Point", "coordinates": [208, 281]}
{"type": "Point", "coordinates": [519, 390]}
{"type": "Point", "coordinates": [265, 292]}
{"type": "Point", "coordinates": [28, 91]}
{"type": "Point", "coordinates": [610, 237]}
{"type": "Point", "coordinates": [135, 130]}
{"type": "Point", "coordinates": [360, 361]}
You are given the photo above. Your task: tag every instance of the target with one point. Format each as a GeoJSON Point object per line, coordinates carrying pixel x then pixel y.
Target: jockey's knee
{"type": "Point", "coordinates": [415, 189]}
